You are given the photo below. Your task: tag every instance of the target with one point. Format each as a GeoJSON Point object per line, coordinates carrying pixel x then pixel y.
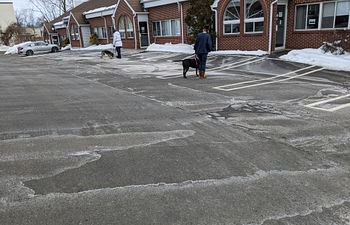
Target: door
{"type": "Point", "coordinates": [143, 34]}
{"type": "Point", "coordinates": [281, 26]}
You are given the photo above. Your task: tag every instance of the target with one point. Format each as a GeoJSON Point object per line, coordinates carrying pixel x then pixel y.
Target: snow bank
{"type": "Point", "coordinates": [184, 48]}
{"type": "Point", "coordinates": [14, 49]}
{"type": "Point", "coordinates": [318, 58]}
{"type": "Point", "coordinates": [168, 47]}
{"type": "Point", "coordinates": [4, 48]}
{"type": "Point", "coordinates": [68, 47]}
{"type": "Point", "coordinates": [239, 52]}
{"type": "Point", "coordinates": [94, 47]}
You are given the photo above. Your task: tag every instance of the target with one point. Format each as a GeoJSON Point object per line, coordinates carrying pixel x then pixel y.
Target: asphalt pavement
{"type": "Point", "coordinates": [92, 141]}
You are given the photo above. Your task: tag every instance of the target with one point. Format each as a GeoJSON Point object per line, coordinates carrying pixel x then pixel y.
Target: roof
{"type": "Point", "coordinates": [50, 24]}
{"type": "Point", "coordinates": [135, 5]}
{"type": "Point", "coordinates": [90, 5]}
{"type": "Point", "coordinates": [156, 3]}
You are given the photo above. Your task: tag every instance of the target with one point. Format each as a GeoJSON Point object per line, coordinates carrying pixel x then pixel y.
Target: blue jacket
{"type": "Point", "coordinates": [203, 43]}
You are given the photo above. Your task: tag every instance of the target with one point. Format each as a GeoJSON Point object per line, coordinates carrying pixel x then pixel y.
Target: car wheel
{"type": "Point", "coordinates": [54, 49]}
{"type": "Point", "coordinates": [29, 53]}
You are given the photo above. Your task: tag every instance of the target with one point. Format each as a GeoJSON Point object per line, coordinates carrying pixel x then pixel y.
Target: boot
{"type": "Point", "coordinates": [201, 75]}
{"type": "Point", "coordinates": [204, 76]}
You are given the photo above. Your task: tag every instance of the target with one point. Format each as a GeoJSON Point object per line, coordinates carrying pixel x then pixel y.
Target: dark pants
{"type": "Point", "coordinates": [117, 49]}
{"type": "Point", "coordinates": [202, 61]}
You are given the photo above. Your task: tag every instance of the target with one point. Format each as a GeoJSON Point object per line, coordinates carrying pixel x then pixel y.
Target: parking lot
{"type": "Point", "coordinates": [85, 140]}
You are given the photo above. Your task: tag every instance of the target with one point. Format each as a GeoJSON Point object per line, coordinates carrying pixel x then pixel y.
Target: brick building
{"type": "Point", "coordinates": [240, 24]}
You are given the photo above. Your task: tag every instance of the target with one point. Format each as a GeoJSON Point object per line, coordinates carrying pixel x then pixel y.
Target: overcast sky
{"type": "Point", "coordinates": [22, 4]}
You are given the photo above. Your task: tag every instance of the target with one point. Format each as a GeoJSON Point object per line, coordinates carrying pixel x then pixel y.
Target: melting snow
{"type": "Point", "coordinates": [316, 57]}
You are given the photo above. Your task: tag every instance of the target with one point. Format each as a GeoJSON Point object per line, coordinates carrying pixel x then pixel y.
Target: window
{"type": "Point", "coordinates": [254, 16]}
{"type": "Point", "coordinates": [110, 31]}
{"type": "Point", "coordinates": [328, 15]}
{"type": "Point", "coordinates": [232, 18]}
{"type": "Point", "coordinates": [313, 16]}
{"type": "Point", "coordinates": [167, 28]}
{"type": "Point", "coordinates": [101, 32]}
{"type": "Point", "coordinates": [129, 29]}
{"type": "Point", "coordinates": [125, 27]}
{"type": "Point", "coordinates": [333, 15]}
{"type": "Point", "coordinates": [74, 32]}
{"type": "Point", "coordinates": [342, 14]}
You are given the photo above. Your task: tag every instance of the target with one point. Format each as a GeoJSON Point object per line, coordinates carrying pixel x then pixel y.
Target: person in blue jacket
{"type": "Point", "coordinates": [202, 47]}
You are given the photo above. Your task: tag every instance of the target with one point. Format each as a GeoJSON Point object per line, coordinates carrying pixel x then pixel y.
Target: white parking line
{"type": "Point", "coordinates": [269, 78]}
{"type": "Point", "coordinates": [313, 105]}
{"type": "Point", "coordinates": [220, 68]}
{"type": "Point", "coordinates": [222, 88]}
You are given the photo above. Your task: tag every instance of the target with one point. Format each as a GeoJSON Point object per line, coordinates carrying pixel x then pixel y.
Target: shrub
{"type": "Point", "coordinates": [94, 39]}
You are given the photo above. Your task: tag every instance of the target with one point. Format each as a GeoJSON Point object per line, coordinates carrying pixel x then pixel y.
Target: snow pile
{"type": "Point", "coordinates": [14, 49]}
{"type": "Point", "coordinates": [239, 52]}
{"type": "Point", "coordinates": [100, 9]}
{"type": "Point", "coordinates": [95, 47]}
{"type": "Point", "coordinates": [168, 47]}
{"type": "Point", "coordinates": [184, 48]}
{"type": "Point", "coordinates": [318, 58]}
{"type": "Point", "coordinates": [3, 48]}
{"type": "Point", "coordinates": [68, 47]}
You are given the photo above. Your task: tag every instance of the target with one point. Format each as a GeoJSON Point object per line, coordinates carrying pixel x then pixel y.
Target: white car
{"type": "Point", "coordinates": [32, 48]}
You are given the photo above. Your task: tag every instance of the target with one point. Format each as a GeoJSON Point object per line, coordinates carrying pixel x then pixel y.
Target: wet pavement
{"type": "Point", "coordinates": [85, 140]}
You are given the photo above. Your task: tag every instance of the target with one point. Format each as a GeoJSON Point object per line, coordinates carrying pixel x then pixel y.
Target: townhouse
{"type": "Point", "coordinates": [240, 24]}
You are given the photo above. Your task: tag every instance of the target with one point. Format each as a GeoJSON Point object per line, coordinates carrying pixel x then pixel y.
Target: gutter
{"type": "Point", "coordinates": [182, 21]}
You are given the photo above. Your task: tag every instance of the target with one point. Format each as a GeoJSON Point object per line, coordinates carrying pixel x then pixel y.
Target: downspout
{"type": "Point", "coordinates": [113, 21]}
{"type": "Point", "coordinates": [81, 36]}
{"type": "Point", "coordinates": [104, 18]}
{"type": "Point", "coordinates": [270, 27]}
{"type": "Point", "coordinates": [181, 22]}
{"type": "Point", "coordinates": [213, 8]}
{"type": "Point", "coordinates": [135, 31]}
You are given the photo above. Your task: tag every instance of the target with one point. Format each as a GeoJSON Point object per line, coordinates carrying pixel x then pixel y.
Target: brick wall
{"type": "Point", "coordinates": [62, 33]}
{"type": "Point", "coordinates": [100, 22]}
{"type": "Point", "coordinates": [311, 39]}
{"type": "Point", "coordinates": [74, 43]}
{"type": "Point", "coordinates": [243, 41]}
{"type": "Point", "coordinates": [168, 12]}
{"type": "Point", "coordinates": [124, 10]}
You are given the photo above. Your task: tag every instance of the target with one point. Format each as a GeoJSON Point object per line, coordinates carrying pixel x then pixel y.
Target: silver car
{"type": "Point", "coordinates": [32, 48]}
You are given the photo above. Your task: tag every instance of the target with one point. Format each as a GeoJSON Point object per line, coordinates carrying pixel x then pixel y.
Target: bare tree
{"type": "Point", "coordinates": [11, 34]}
{"type": "Point", "coordinates": [50, 9]}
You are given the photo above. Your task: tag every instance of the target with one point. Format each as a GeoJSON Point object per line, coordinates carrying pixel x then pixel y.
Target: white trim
{"type": "Point", "coordinates": [320, 17]}
{"type": "Point", "coordinates": [154, 3]}
{"type": "Point", "coordinates": [252, 20]}
{"type": "Point", "coordinates": [270, 26]}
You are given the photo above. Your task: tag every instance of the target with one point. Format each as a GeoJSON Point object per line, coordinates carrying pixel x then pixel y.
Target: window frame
{"type": "Point", "coordinates": [253, 20]}
{"type": "Point", "coordinates": [124, 33]}
{"type": "Point", "coordinates": [320, 16]}
{"type": "Point", "coordinates": [232, 22]}
{"type": "Point", "coordinates": [169, 23]}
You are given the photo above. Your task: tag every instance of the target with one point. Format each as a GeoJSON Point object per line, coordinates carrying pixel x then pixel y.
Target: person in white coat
{"type": "Point", "coordinates": [117, 43]}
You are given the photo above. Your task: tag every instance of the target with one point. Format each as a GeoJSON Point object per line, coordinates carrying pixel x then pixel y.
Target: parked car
{"type": "Point", "coordinates": [32, 48]}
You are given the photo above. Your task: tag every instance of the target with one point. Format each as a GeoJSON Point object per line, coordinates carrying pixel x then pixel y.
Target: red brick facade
{"type": "Point", "coordinates": [105, 22]}
{"type": "Point", "coordinates": [76, 43]}
{"type": "Point", "coordinates": [168, 12]}
{"type": "Point", "coordinates": [294, 39]}
{"type": "Point", "coordinates": [315, 38]}
{"type": "Point", "coordinates": [124, 10]}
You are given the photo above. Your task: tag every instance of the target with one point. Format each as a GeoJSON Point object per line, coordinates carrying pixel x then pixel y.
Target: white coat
{"type": "Point", "coordinates": [117, 40]}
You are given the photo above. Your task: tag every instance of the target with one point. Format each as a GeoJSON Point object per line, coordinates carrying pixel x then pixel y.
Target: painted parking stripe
{"type": "Point", "coordinates": [220, 68]}
{"type": "Point", "coordinates": [265, 83]}
{"type": "Point", "coordinates": [342, 106]}
{"type": "Point", "coordinates": [264, 79]}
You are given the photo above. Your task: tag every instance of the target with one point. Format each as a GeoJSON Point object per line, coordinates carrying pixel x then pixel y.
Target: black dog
{"type": "Point", "coordinates": [107, 53]}
{"type": "Point", "coordinates": [190, 62]}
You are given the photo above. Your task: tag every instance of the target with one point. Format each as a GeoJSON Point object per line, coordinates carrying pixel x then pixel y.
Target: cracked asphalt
{"type": "Point", "coordinates": [90, 141]}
